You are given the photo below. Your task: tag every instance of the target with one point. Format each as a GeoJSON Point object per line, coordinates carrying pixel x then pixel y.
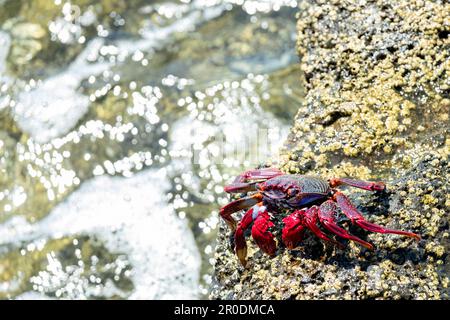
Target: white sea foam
{"type": "Point", "coordinates": [5, 43]}
{"type": "Point", "coordinates": [130, 216]}
{"type": "Point", "coordinates": [155, 37]}
{"type": "Point", "coordinates": [237, 134]}
{"type": "Point", "coordinates": [55, 106]}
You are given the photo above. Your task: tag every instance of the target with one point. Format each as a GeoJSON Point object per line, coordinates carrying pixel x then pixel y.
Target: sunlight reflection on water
{"type": "Point", "coordinates": [114, 163]}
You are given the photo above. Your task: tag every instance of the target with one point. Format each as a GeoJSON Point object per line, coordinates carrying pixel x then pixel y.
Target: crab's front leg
{"type": "Point", "coordinates": [260, 232]}
{"type": "Point", "coordinates": [234, 206]}
{"type": "Point", "coordinates": [357, 218]}
{"type": "Point", "coordinates": [245, 183]}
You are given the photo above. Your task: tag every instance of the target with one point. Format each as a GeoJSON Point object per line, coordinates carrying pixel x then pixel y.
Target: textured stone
{"type": "Point", "coordinates": [377, 107]}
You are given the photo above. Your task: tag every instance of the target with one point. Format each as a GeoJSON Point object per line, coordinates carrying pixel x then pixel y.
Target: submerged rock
{"type": "Point", "coordinates": [377, 107]}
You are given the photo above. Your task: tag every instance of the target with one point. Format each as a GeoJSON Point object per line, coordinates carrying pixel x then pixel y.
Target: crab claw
{"type": "Point", "coordinates": [261, 234]}
{"type": "Point", "coordinates": [293, 230]}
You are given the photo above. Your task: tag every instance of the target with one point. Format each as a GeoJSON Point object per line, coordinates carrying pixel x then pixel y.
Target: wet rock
{"type": "Point", "coordinates": [377, 107]}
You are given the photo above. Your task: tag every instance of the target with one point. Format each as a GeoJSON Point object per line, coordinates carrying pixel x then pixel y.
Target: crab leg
{"type": "Point", "coordinates": [241, 183]}
{"type": "Point", "coordinates": [236, 187]}
{"type": "Point", "coordinates": [357, 218]}
{"type": "Point", "coordinates": [366, 185]}
{"type": "Point", "coordinates": [311, 217]}
{"type": "Point", "coordinates": [242, 203]}
{"type": "Point", "coordinates": [327, 216]}
{"type": "Point", "coordinates": [256, 174]}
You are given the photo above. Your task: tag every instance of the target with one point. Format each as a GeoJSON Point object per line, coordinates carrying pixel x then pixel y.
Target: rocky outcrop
{"type": "Point", "coordinates": [377, 107]}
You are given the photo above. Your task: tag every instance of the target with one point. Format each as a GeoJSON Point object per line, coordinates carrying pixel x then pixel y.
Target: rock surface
{"type": "Point", "coordinates": [377, 107]}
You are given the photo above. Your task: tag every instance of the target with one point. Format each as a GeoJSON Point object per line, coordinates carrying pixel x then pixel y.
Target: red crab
{"type": "Point", "coordinates": [313, 201]}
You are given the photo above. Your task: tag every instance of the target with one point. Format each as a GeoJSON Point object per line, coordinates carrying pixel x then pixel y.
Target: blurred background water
{"type": "Point", "coordinates": [120, 122]}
